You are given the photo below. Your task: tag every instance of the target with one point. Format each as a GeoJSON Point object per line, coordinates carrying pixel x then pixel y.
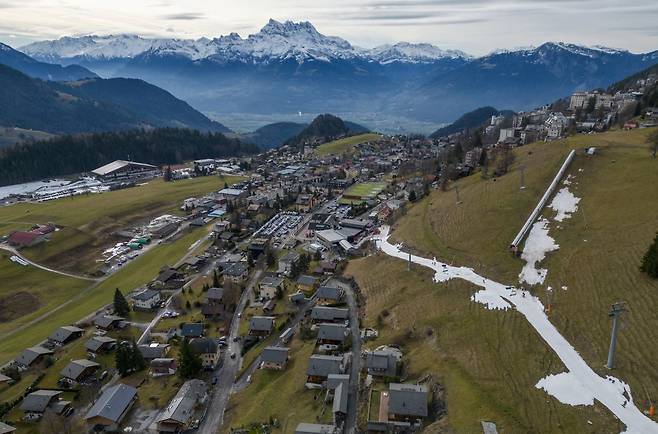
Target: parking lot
{"type": "Point", "coordinates": [280, 225]}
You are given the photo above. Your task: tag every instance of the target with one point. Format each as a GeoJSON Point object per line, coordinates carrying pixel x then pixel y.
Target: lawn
{"type": "Point", "coordinates": [89, 221]}
{"type": "Point", "coordinates": [359, 192]}
{"type": "Point", "coordinates": [131, 276]}
{"type": "Point", "coordinates": [492, 360]}
{"type": "Point", "coordinates": [345, 145]}
{"type": "Point", "coordinates": [284, 392]}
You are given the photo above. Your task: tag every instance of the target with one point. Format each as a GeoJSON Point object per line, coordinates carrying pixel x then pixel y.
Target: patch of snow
{"type": "Point", "coordinates": [610, 392]}
{"type": "Point", "coordinates": [564, 203]}
{"type": "Point", "coordinates": [566, 388]}
{"type": "Point", "coordinates": [490, 299]}
{"type": "Point", "coordinates": [536, 246]}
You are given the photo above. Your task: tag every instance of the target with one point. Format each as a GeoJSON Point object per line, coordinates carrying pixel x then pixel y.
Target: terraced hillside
{"type": "Point", "coordinates": [489, 361]}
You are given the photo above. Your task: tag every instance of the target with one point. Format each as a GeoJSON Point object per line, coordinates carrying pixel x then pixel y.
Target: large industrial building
{"type": "Point", "coordinates": [121, 170]}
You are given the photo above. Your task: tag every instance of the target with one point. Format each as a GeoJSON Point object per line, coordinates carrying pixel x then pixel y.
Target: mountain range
{"type": "Point", "coordinates": [289, 67]}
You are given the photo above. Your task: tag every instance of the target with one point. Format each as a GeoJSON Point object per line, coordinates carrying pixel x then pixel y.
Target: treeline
{"type": "Point", "coordinates": [84, 152]}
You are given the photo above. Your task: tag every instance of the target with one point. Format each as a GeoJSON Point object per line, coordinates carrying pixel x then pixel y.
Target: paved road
{"type": "Point", "coordinates": [15, 252]}
{"type": "Point", "coordinates": [229, 368]}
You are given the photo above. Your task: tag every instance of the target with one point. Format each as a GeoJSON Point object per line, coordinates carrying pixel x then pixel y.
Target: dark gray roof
{"type": "Point", "coordinates": [237, 269]}
{"type": "Point", "coordinates": [322, 366]}
{"type": "Point", "coordinates": [275, 355]}
{"type": "Point", "coordinates": [340, 399]}
{"type": "Point", "coordinates": [329, 292]}
{"type": "Point", "coordinates": [106, 320]}
{"type": "Point", "coordinates": [181, 407]}
{"type": "Point", "coordinates": [314, 428]}
{"type": "Point", "coordinates": [215, 294]}
{"type": "Point", "coordinates": [203, 345]}
{"type": "Point", "coordinates": [271, 281]}
{"type": "Point", "coordinates": [64, 333]}
{"type": "Point", "coordinates": [75, 368]}
{"type": "Point", "coordinates": [153, 352]}
{"type": "Point", "coordinates": [332, 332]}
{"type": "Point", "coordinates": [146, 295]}
{"type": "Point", "coordinates": [113, 403]}
{"type": "Point", "coordinates": [305, 279]}
{"type": "Point", "coordinates": [29, 355]}
{"type": "Point", "coordinates": [97, 342]}
{"type": "Point", "coordinates": [291, 256]}
{"type": "Point", "coordinates": [261, 323]}
{"type": "Point", "coordinates": [407, 399]}
{"type": "Point", "coordinates": [192, 329]}
{"type": "Point", "coordinates": [38, 401]}
{"type": "Point", "coordinates": [335, 380]}
{"type": "Point", "coordinates": [325, 313]}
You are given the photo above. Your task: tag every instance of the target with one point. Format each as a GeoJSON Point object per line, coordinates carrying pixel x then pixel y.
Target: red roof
{"type": "Point", "coordinates": [23, 238]}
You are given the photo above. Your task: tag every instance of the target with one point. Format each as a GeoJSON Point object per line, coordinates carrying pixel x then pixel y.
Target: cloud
{"type": "Point", "coordinates": [184, 16]}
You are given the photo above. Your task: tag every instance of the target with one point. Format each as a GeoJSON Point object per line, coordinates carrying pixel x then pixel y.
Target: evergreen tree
{"type": "Point", "coordinates": [189, 362]}
{"type": "Point", "coordinates": [167, 174]}
{"type": "Point", "coordinates": [650, 260]}
{"type": "Point", "coordinates": [137, 362]}
{"type": "Point", "coordinates": [270, 259]}
{"type": "Point", "coordinates": [122, 360]}
{"type": "Point", "coordinates": [121, 306]}
{"type": "Point", "coordinates": [412, 196]}
{"type": "Point", "coordinates": [215, 279]}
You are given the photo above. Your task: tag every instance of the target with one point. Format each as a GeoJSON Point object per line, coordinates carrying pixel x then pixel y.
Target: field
{"type": "Point", "coordinates": [89, 221]}
{"type": "Point", "coordinates": [283, 392]}
{"type": "Point", "coordinates": [346, 145]}
{"type": "Point", "coordinates": [361, 191]}
{"type": "Point", "coordinates": [490, 361]}
{"type": "Point", "coordinates": [93, 297]}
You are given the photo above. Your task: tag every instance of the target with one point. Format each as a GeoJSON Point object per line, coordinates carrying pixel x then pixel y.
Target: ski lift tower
{"type": "Point", "coordinates": [615, 313]}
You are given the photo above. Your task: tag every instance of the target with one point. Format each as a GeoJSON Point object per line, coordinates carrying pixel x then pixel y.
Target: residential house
{"type": "Point", "coordinates": [79, 371]}
{"type": "Point", "coordinates": [274, 358]}
{"type": "Point", "coordinates": [236, 273]}
{"type": "Point", "coordinates": [153, 351]}
{"type": "Point", "coordinates": [163, 367]}
{"type": "Point", "coordinates": [320, 367]}
{"type": "Point", "coordinates": [407, 402]}
{"type": "Point", "coordinates": [109, 322]}
{"type": "Point", "coordinates": [33, 355]}
{"type": "Point", "coordinates": [383, 362]}
{"type": "Point", "coordinates": [100, 344]}
{"type": "Point", "coordinates": [208, 350]}
{"type": "Point", "coordinates": [215, 296]}
{"type": "Point", "coordinates": [6, 429]}
{"type": "Point", "coordinates": [179, 415]}
{"type": "Point", "coordinates": [192, 330]}
{"type": "Point", "coordinates": [146, 300]}
{"type": "Point", "coordinates": [314, 428]}
{"type": "Point", "coordinates": [35, 404]}
{"type": "Point", "coordinates": [111, 407]}
{"type": "Point", "coordinates": [556, 125]}
{"type": "Point", "coordinates": [326, 314]}
{"type": "Point", "coordinates": [287, 262]}
{"type": "Point", "coordinates": [270, 286]}
{"type": "Point", "coordinates": [22, 239]}
{"type": "Point", "coordinates": [213, 312]}
{"type": "Point", "coordinates": [306, 283]}
{"type": "Point", "coordinates": [332, 334]}
{"type": "Point", "coordinates": [170, 278]}
{"type": "Point", "coordinates": [66, 334]}
{"type": "Point", "coordinates": [297, 297]}
{"type": "Point", "coordinates": [329, 295]}
{"type": "Point", "coordinates": [261, 325]}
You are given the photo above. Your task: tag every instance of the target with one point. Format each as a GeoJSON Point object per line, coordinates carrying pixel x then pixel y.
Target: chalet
{"type": "Point", "coordinates": [109, 322]}
{"type": "Point", "coordinates": [164, 230]}
{"type": "Point", "coordinates": [66, 334]}
{"type": "Point", "coordinates": [258, 246]}
{"type": "Point", "coordinates": [100, 344]}
{"type": "Point", "coordinates": [79, 371]}
{"type": "Point", "coordinates": [332, 334]}
{"type": "Point", "coordinates": [35, 404]}
{"type": "Point", "coordinates": [274, 358]}
{"type": "Point", "coordinates": [261, 325]}
{"type": "Point", "coordinates": [215, 296]}
{"type": "Point", "coordinates": [6, 429]}
{"type": "Point", "coordinates": [236, 273]}
{"type": "Point", "coordinates": [314, 428]}
{"type": "Point", "coordinates": [383, 362]}
{"type": "Point", "coordinates": [297, 297]}
{"type": "Point", "coordinates": [153, 351]}
{"type": "Point", "coordinates": [5, 379]}
{"type": "Point", "coordinates": [320, 367]}
{"type": "Point", "coordinates": [306, 283]}
{"type": "Point", "coordinates": [32, 356]}
{"type": "Point", "coordinates": [304, 203]}
{"type": "Point", "coordinates": [192, 330]}
{"type": "Point", "coordinates": [326, 314]}
{"type": "Point", "coordinates": [146, 300]}
{"type": "Point", "coordinates": [270, 286]}
{"type": "Point", "coordinates": [329, 295]}
{"type": "Point", "coordinates": [179, 415]}
{"type": "Point", "coordinates": [208, 350]}
{"type": "Point", "coordinates": [407, 402]}
{"type": "Point", "coordinates": [232, 195]}
{"type": "Point", "coordinates": [213, 312]}
{"type": "Point", "coordinates": [287, 262]}
{"type": "Point", "coordinates": [111, 407]}
{"type": "Point", "coordinates": [163, 367]}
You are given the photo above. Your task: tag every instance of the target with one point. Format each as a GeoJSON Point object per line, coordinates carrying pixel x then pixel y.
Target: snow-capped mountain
{"type": "Point", "coordinates": [275, 41]}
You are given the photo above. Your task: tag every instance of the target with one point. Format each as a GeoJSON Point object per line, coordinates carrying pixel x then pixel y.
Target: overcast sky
{"type": "Point", "coordinates": [475, 26]}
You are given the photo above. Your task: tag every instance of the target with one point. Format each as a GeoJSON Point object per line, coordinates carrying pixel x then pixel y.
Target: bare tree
{"type": "Point", "coordinates": [53, 423]}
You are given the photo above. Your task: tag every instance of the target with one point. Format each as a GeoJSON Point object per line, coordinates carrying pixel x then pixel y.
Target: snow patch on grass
{"type": "Point", "coordinates": [536, 246]}
{"type": "Point", "coordinates": [565, 204]}
{"type": "Point", "coordinates": [566, 388]}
